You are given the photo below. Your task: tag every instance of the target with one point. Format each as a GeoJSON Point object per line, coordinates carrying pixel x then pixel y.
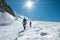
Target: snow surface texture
{"type": "Point", "coordinates": [40, 30]}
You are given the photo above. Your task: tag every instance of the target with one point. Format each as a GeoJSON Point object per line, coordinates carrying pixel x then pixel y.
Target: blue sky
{"type": "Point", "coordinates": [44, 10]}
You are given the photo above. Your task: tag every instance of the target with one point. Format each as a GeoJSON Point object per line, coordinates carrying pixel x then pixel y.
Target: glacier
{"type": "Point", "coordinates": [40, 30]}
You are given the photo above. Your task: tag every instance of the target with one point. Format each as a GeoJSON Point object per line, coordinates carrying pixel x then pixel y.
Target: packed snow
{"type": "Point", "coordinates": [40, 30]}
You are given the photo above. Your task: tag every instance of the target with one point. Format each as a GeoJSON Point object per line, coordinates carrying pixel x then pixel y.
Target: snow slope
{"type": "Point", "coordinates": [6, 18]}
{"type": "Point", "coordinates": [40, 30]}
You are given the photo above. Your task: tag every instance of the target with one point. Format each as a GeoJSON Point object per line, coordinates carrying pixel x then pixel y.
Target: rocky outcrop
{"type": "Point", "coordinates": [4, 7]}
